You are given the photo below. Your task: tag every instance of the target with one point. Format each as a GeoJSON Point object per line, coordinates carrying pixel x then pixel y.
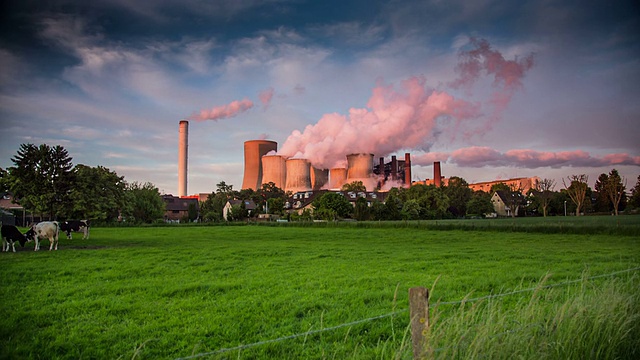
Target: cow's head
{"type": "Point", "coordinates": [30, 235]}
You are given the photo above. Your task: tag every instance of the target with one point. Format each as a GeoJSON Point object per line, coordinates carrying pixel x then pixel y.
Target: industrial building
{"type": "Point", "coordinates": [262, 165]}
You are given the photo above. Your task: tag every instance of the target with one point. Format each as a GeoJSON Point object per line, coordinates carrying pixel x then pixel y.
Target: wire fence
{"type": "Point", "coordinates": [357, 322]}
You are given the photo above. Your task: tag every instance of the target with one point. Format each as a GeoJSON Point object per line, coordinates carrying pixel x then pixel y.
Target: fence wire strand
{"type": "Point", "coordinates": [357, 322]}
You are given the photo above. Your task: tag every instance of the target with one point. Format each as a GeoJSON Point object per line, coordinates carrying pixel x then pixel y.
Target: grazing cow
{"type": "Point", "coordinates": [45, 229]}
{"type": "Point", "coordinates": [75, 225]}
{"type": "Point", "coordinates": [11, 234]}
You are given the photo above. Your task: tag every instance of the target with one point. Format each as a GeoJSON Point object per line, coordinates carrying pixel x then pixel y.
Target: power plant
{"type": "Point", "coordinates": [183, 144]}
{"type": "Point", "coordinates": [262, 165]}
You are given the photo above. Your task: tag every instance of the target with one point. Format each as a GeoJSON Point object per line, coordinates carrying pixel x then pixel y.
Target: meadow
{"type": "Point", "coordinates": [327, 291]}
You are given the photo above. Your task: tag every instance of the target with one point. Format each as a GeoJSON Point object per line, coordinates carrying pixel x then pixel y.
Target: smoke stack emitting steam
{"type": "Point", "coordinates": [183, 144]}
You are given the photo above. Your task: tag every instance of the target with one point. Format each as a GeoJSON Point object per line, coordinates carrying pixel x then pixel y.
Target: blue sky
{"type": "Point", "coordinates": [110, 80]}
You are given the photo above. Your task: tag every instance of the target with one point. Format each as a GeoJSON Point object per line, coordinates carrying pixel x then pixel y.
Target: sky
{"type": "Point", "coordinates": [491, 89]}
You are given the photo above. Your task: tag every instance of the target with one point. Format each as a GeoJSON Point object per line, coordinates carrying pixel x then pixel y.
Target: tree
{"type": "Point", "coordinates": [211, 209]}
{"type": "Point", "coordinates": [145, 205]}
{"type": "Point", "coordinates": [333, 202]}
{"type": "Point", "coordinates": [98, 193]}
{"type": "Point", "coordinates": [42, 179]}
{"type": "Point", "coordinates": [361, 209]}
{"type": "Point", "coordinates": [224, 188]}
{"type": "Point", "coordinates": [614, 188]}
{"type": "Point", "coordinates": [356, 186]}
{"type": "Point", "coordinates": [544, 193]}
{"type": "Point", "coordinates": [378, 210]}
{"type": "Point", "coordinates": [577, 190]}
{"type": "Point", "coordinates": [4, 181]}
{"type": "Point", "coordinates": [276, 206]}
{"type": "Point", "coordinates": [480, 204]}
{"type": "Point", "coordinates": [393, 205]}
{"type": "Point", "coordinates": [635, 195]}
{"type": "Point", "coordinates": [273, 196]}
{"type": "Point", "coordinates": [411, 210]}
{"type": "Point", "coordinates": [459, 194]}
{"type": "Point", "coordinates": [602, 204]}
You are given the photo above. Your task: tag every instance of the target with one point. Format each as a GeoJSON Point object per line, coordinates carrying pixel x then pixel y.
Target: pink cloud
{"type": "Point", "coordinates": [265, 97]}
{"type": "Point", "coordinates": [507, 75]}
{"type": "Point", "coordinates": [224, 111]}
{"type": "Point", "coordinates": [532, 159]}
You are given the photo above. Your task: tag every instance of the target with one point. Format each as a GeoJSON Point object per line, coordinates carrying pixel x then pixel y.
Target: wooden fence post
{"type": "Point", "coordinates": [419, 313]}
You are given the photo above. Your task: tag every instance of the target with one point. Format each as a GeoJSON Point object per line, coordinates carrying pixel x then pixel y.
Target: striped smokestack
{"type": "Point", "coordinates": [183, 144]}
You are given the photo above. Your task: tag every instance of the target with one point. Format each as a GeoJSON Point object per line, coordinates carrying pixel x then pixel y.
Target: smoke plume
{"type": "Point", "coordinates": [409, 117]}
{"type": "Point", "coordinates": [224, 111]}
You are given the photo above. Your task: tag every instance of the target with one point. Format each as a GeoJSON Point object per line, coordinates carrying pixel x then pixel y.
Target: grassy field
{"type": "Point", "coordinates": [174, 292]}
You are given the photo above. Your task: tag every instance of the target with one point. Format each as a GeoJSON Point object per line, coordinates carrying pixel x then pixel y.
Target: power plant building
{"type": "Point", "coordinates": [262, 165]}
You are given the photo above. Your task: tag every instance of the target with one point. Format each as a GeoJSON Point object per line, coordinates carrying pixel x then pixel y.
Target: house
{"type": "Point", "coordinates": [503, 202]}
{"type": "Point", "coordinates": [301, 201]}
{"type": "Point", "coordinates": [9, 207]}
{"type": "Point", "coordinates": [177, 208]}
{"type": "Point", "coordinates": [249, 205]}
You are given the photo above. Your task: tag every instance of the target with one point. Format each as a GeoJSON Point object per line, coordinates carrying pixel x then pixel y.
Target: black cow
{"type": "Point", "coordinates": [11, 234]}
{"type": "Point", "coordinates": [75, 225]}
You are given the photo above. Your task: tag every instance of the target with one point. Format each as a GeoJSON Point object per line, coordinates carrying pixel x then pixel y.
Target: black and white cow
{"type": "Point", "coordinates": [45, 229]}
{"type": "Point", "coordinates": [75, 225]}
{"type": "Point", "coordinates": [11, 234]}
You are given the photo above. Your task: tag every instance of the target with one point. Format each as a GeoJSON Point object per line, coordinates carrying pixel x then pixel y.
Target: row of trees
{"type": "Point", "coordinates": [46, 183]}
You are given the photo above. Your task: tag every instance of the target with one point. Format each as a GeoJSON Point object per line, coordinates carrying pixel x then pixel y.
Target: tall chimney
{"type": "Point", "coordinates": [407, 169]}
{"type": "Point", "coordinates": [183, 144]}
{"type": "Point", "coordinates": [437, 175]}
{"type": "Point", "coordinates": [394, 168]}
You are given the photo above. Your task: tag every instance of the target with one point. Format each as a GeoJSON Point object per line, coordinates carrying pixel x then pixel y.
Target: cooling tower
{"type": "Point", "coordinates": [319, 178]}
{"type": "Point", "coordinates": [298, 175]}
{"type": "Point", "coordinates": [437, 174]}
{"type": "Point", "coordinates": [274, 170]}
{"type": "Point", "coordinates": [254, 150]}
{"type": "Point", "coordinates": [360, 168]}
{"type": "Point", "coordinates": [407, 169]}
{"type": "Point", "coordinates": [337, 178]}
{"type": "Point", "coordinates": [183, 144]}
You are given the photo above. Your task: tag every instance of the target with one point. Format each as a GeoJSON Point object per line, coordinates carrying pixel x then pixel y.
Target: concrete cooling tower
{"type": "Point", "coordinates": [337, 178]}
{"type": "Point", "coordinates": [183, 145]}
{"type": "Point", "coordinates": [360, 168]}
{"type": "Point", "coordinates": [254, 150]}
{"type": "Point", "coordinates": [319, 178]}
{"type": "Point", "coordinates": [298, 175]}
{"type": "Point", "coordinates": [274, 170]}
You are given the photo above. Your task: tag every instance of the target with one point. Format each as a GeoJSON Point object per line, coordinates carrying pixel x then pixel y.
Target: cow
{"type": "Point", "coordinates": [11, 234]}
{"type": "Point", "coordinates": [75, 225]}
{"type": "Point", "coordinates": [45, 229]}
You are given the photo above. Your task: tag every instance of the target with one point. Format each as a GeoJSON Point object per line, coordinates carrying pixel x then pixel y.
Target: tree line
{"type": "Point", "coordinates": [46, 183]}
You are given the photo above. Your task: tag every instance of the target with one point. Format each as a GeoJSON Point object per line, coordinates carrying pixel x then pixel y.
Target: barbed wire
{"type": "Point", "coordinates": [313, 332]}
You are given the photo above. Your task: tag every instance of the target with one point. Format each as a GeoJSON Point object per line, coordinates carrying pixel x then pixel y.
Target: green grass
{"type": "Point", "coordinates": [170, 292]}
